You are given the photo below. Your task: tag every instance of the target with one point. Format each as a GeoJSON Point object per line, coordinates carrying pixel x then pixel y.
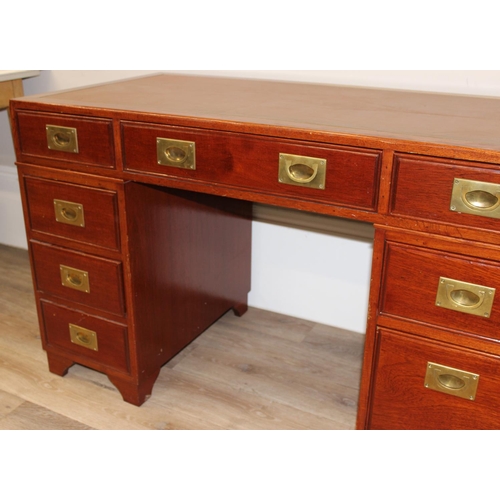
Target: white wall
{"type": "Point", "coordinates": [329, 282]}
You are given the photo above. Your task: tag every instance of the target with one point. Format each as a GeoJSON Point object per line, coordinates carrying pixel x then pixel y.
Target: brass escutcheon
{"type": "Point", "coordinates": [302, 171]}
{"type": "Point", "coordinates": [62, 138]}
{"type": "Point", "coordinates": [475, 197]}
{"type": "Point", "coordinates": [175, 153]}
{"type": "Point", "coordinates": [83, 337]}
{"type": "Point", "coordinates": [451, 381]}
{"type": "Point", "coordinates": [75, 278]}
{"type": "Point", "coordinates": [465, 297]}
{"type": "Point", "coordinates": [68, 212]}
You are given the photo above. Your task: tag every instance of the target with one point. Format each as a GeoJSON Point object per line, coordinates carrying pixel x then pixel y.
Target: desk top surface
{"type": "Point", "coordinates": [447, 119]}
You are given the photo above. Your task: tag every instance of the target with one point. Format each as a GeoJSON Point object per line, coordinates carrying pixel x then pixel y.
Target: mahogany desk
{"type": "Point", "coordinates": [137, 200]}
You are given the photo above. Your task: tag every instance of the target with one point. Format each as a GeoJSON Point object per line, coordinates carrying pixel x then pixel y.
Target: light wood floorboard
{"type": "Point", "coordinates": [260, 371]}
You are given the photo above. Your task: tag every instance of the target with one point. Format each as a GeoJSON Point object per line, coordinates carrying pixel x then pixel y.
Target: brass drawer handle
{"type": "Point", "coordinates": [175, 153]}
{"type": "Point", "coordinates": [83, 337]}
{"type": "Point", "coordinates": [477, 198]}
{"type": "Point", "coordinates": [62, 138]}
{"type": "Point", "coordinates": [302, 170]}
{"type": "Point", "coordinates": [465, 297]}
{"type": "Point", "coordinates": [68, 212]}
{"type": "Point", "coordinates": [75, 278]}
{"type": "Point", "coordinates": [451, 381]}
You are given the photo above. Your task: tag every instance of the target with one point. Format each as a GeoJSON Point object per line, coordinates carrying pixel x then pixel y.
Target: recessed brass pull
{"type": "Point", "coordinates": [62, 138]}
{"type": "Point", "coordinates": [451, 381]}
{"type": "Point", "coordinates": [465, 297]}
{"type": "Point", "coordinates": [481, 199]}
{"type": "Point", "coordinates": [302, 170]}
{"type": "Point", "coordinates": [75, 278]}
{"type": "Point", "coordinates": [68, 212]}
{"type": "Point", "coordinates": [474, 197]}
{"type": "Point", "coordinates": [83, 337]}
{"type": "Point", "coordinates": [175, 153]}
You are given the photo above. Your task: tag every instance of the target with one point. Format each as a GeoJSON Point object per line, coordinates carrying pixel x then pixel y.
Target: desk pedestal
{"type": "Point", "coordinates": [181, 261]}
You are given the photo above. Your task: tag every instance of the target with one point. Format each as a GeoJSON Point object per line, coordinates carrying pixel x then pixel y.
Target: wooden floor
{"type": "Point", "coordinates": [260, 371]}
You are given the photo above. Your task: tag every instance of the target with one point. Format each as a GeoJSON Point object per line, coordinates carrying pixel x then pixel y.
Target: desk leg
{"type": "Point", "coordinates": [59, 364]}
{"type": "Point", "coordinates": [135, 393]}
{"type": "Point", "coordinates": [241, 308]}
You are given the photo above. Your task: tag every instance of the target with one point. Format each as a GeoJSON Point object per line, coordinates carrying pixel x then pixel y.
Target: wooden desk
{"type": "Point", "coordinates": [137, 200]}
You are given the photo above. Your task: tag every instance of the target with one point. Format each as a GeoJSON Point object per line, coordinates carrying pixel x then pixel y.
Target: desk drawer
{"type": "Point", "coordinates": [462, 193]}
{"type": "Point", "coordinates": [93, 340]}
{"type": "Point", "coordinates": [66, 138]}
{"type": "Point", "coordinates": [441, 289]}
{"type": "Point", "coordinates": [401, 399]}
{"type": "Point", "coordinates": [252, 163]}
{"type": "Point", "coordinates": [73, 212]}
{"type": "Point", "coordinates": [92, 281]}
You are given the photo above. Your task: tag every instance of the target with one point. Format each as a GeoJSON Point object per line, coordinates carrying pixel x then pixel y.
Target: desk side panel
{"type": "Point", "coordinates": [190, 263]}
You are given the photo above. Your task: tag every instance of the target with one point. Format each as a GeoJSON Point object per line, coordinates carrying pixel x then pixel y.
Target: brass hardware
{"type": "Point", "coordinates": [68, 212]}
{"type": "Point", "coordinates": [75, 278]}
{"type": "Point", "coordinates": [174, 153]}
{"type": "Point", "coordinates": [83, 337]}
{"type": "Point", "coordinates": [477, 198]}
{"type": "Point", "coordinates": [451, 381]}
{"type": "Point", "coordinates": [62, 138]}
{"type": "Point", "coordinates": [465, 297]}
{"type": "Point", "coordinates": [302, 171]}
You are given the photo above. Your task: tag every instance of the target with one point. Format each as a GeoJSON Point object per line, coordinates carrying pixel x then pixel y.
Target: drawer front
{"type": "Point", "coordinates": [92, 281]}
{"type": "Point", "coordinates": [348, 176]}
{"type": "Point", "coordinates": [73, 212]}
{"type": "Point", "coordinates": [102, 342]}
{"type": "Point", "coordinates": [66, 138]}
{"type": "Point", "coordinates": [442, 289]}
{"type": "Point", "coordinates": [455, 192]}
{"type": "Point", "coordinates": [429, 385]}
